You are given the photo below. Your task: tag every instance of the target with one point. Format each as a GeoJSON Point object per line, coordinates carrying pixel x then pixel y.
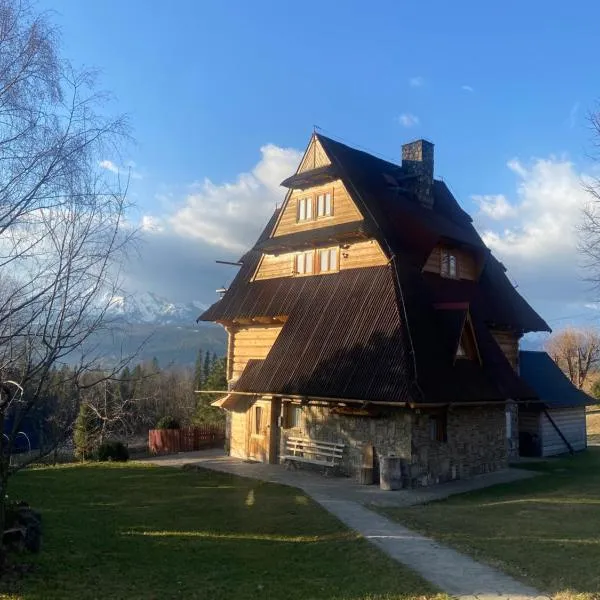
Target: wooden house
{"type": "Point", "coordinates": [370, 319]}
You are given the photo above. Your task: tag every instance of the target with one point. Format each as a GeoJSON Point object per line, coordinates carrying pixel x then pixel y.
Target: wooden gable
{"type": "Point", "coordinates": [344, 209]}
{"type": "Point", "coordinates": [314, 157]}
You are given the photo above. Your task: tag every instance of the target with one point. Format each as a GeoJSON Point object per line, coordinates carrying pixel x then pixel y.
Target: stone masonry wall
{"type": "Point", "coordinates": [389, 433]}
{"type": "Point", "coordinates": [476, 443]}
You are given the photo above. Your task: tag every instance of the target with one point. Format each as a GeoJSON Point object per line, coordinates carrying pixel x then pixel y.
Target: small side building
{"type": "Point", "coordinates": [557, 424]}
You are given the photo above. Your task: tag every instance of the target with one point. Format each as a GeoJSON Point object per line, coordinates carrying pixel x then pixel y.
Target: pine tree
{"type": "Point", "coordinates": [206, 367]}
{"type": "Point", "coordinates": [84, 434]}
{"type": "Point", "coordinates": [216, 380]}
{"type": "Point", "coordinates": [199, 371]}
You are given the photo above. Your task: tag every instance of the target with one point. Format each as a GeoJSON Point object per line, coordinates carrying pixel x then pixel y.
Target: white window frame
{"type": "Point", "coordinates": [324, 205]}
{"type": "Point", "coordinates": [305, 262]}
{"type": "Point", "coordinates": [328, 260]}
{"type": "Point", "coordinates": [304, 209]}
{"type": "Point", "coordinates": [448, 264]}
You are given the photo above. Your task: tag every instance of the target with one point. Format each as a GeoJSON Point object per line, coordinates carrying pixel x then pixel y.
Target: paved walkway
{"type": "Point", "coordinates": [342, 488]}
{"type": "Point", "coordinates": [452, 572]}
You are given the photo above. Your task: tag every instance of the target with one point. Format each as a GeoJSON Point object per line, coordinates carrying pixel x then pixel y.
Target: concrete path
{"type": "Point", "coordinates": [452, 572]}
{"type": "Point", "coordinates": [343, 488]}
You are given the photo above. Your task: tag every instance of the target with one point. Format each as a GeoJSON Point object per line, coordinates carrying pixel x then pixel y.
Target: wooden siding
{"type": "Point", "coordinates": [361, 254]}
{"type": "Point", "coordinates": [314, 157]}
{"type": "Point", "coordinates": [571, 422]}
{"type": "Point", "coordinates": [238, 431]}
{"type": "Point", "coordinates": [344, 209]}
{"type": "Point", "coordinates": [467, 268]}
{"type": "Point", "coordinates": [509, 344]}
{"type": "Point", "coordinates": [272, 266]}
{"type": "Point", "coordinates": [253, 341]}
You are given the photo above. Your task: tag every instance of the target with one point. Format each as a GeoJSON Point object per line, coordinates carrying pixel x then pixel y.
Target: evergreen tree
{"type": "Point", "coordinates": [216, 380]}
{"type": "Point", "coordinates": [199, 371]}
{"type": "Point", "coordinates": [84, 435]}
{"type": "Point", "coordinates": [206, 367]}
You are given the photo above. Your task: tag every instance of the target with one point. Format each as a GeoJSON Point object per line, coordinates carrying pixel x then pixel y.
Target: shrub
{"type": "Point", "coordinates": [116, 451]}
{"type": "Point", "coordinates": [168, 422]}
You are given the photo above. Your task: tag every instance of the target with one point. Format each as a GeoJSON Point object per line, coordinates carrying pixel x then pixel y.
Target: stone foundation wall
{"type": "Point", "coordinates": [476, 443]}
{"type": "Point", "coordinates": [389, 433]}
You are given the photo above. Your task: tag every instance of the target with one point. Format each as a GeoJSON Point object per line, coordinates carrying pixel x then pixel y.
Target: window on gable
{"type": "Point", "coordinates": [328, 260]}
{"type": "Point", "coordinates": [448, 263]}
{"type": "Point", "coordinates": [305, 263]}
{"type": "Point", "coordinates": [324, 207]}
{"type": "Point", "coordinates": [305, 209]}
{"type": "Point", "coordinates": [467, 347]}
{"type": "Point", "coordinates": [438, 427]}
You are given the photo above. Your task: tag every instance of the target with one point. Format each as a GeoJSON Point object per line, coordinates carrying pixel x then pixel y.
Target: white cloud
{"type": "Point", "coordinates": [210, 221]}
{"type": "Point", "coordinates": [109, 165]}
{"type": "Point", "coordinates": [408, 120]}
{"type": "Point", "coordinates": [496, 207]}
{"type": "Point", "coordinates": [467, 88]}
{"type": "Point", "coordinates": [535, 234]}
{"type": "Point", "coordinates": [150, 223]}
{"type": "Point", "coordinates": [231, 214]}
{"type": "Point", "coordinates": [417, 81]}
{"type": "Point", "coordinates": [128, 170]}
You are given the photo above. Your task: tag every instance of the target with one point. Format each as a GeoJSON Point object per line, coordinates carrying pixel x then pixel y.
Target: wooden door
{"type": "Point", "coordinates": [259, 432]}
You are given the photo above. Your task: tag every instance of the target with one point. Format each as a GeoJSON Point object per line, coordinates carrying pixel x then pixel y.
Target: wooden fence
{"type": "Point", "coordinates": [186, 439]}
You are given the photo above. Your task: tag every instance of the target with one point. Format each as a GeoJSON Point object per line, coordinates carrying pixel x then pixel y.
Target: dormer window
{"type": "Point", "coordinates": [324, 208]}
{"type": "Point", "coordinates": [305, 209]}
{"type": "Point", "coordinates": [305, 263]}
{"type": "Point", "coordinates": [449, 264]}
{"type": "Point", "coordinates": [328, 260]}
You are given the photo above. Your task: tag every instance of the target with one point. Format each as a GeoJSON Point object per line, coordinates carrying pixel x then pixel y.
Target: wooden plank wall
{"type": "Point", "coordinates": [360, 254]}
{"type": "Point", "coordinates": [571, 421]}
{"type": "Point", "coordinates": [344, 210]}
{"type": "Point", "coordinates": [314, 157]}
{"type": "Point", "coordinates": [509, 344]}
{"type": "Point", "coordinates": [238, 434]}
{"type": "Point", "coordinates": [272, 266]}
{"type": "Point", "coordinates": [467, 268]}
{"type": "Point", "coordinates": [253, 341]}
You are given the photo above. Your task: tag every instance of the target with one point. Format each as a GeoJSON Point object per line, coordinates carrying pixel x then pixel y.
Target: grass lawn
{"type": "Point", "coordinates": [137, 531]}
{"type": "Point", "coordinates": [545, 530]}
{"type": "Point", "coordinates": [593, 424]}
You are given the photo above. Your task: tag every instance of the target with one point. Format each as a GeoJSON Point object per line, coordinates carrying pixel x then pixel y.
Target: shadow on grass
{"type": "Point", "coordinates": [545, 530]}
{"type": "Point", "coordinates": [125, 531]}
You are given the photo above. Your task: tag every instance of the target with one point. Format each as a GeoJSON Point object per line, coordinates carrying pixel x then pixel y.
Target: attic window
{"type": "Point", "coordinates": [305, 209]}
{"type": "Point", "coordinates": [328, 260]}
{"type": "Point", "coordinates": [448, 264]}
{"type": "Point", "coordinates": [324, 206]}
{"type": "Point", "coordinates": [305, 263]}
{"type": "Point", "coordinates": [467, 347]}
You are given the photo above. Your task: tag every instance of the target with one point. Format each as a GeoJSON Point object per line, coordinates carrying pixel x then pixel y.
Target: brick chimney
{"type": "Point", "coordinates": [417, 159]}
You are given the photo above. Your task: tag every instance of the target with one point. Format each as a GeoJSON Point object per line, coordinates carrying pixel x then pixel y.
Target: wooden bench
{"type": "Point", "coordinates": [315, 452]}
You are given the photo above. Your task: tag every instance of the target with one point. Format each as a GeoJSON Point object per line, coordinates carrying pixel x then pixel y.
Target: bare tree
{"type": "Point", "coordinates": [62, 229]}
{"type": "Point", "coordinates": [576, 352]}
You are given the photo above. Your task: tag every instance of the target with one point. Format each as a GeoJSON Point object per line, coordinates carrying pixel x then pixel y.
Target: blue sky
{"type": "Point", "coordinates": [223, 95]}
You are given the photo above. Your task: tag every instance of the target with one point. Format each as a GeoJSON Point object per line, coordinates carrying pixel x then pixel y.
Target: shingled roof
{"type": "Point", "coordinates": [375, 333]}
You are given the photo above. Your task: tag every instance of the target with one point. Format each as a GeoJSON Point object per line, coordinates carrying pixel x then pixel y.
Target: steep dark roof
{"type": "Point", "coordinates": [378, 332]}
{"type": "Point", "coordinates": [551, 384]}
{"type": "Point", "coordinates": [343, 339]}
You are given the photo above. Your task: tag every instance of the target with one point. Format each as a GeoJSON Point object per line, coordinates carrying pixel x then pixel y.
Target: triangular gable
{"type": "Point", "coordinates": [467, 346]}
{"type": "Point", "coordinates": [314, 157]}
{"type": "Point", "coordinates": [345, 209]}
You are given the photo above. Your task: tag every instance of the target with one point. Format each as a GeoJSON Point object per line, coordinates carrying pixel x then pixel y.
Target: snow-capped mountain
{"type": "Point", "coordinates": [148, 308]}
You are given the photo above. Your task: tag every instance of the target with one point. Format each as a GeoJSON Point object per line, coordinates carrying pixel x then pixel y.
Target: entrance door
{"type": "Point", "coordinates": [259, 432]}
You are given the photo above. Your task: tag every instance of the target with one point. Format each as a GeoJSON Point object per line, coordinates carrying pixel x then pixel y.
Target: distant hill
{"type": "Point", "coordinates": [156, 327]}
